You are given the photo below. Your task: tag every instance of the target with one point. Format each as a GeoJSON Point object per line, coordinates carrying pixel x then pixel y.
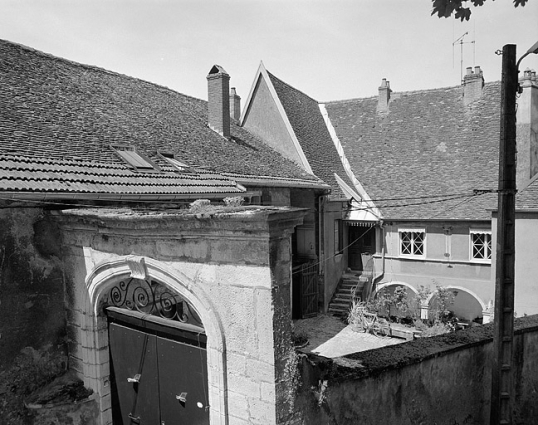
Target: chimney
{"type": "Point", "coordinates": [384, 96]}
{"type": "Point", "coordinates": [473, 83]}
{"type": "Point", "coordinates": [527, 129]}
{"type": "Point", "coordinates": [218, 103]}
{"type": "Point", "coordinates": [235, 105]}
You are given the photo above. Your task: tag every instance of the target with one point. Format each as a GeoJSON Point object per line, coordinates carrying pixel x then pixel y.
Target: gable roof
{"type": "Point", "coordinates": [427, 147]}
{"type": "Point", "coordinates": [59, 119]}
{"type": "Point", "coordinates": [307, 122]}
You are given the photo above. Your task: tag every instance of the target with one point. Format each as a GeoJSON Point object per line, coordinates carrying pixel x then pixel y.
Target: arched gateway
{"type": "Point", "coordinates": [149, 347]}
{"type": "Point", "coordinates": [158, 360]}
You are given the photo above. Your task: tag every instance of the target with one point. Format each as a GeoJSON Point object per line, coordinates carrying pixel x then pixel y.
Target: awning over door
{"type": "Point", "coordinates": [361, 217]}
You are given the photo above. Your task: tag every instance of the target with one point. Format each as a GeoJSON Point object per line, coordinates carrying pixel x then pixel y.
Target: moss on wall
{"type": "Point", "coordinates": [443, 380]}
{"type": "Point", "coordinates": [32, 322]}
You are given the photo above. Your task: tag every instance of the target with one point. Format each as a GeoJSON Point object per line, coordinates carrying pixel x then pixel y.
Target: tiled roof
{"type": "Point", "coordinates": [58, 120]}
{"type": "Point", "coordinates": [428, 144]}
{"type": "Point", "coordinates": [309, 127]}
{"type": "Point", "coordinates": [60, 176]}
{"type": "Point", "coordinates": [527, 198]}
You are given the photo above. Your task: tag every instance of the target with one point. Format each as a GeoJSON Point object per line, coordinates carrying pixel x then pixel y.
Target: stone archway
{"type": "Point", "coordinates": [396, 283]}
{"type": "Point", "coordinates": [412, 293]}
{"type": "Point", "coordinates": [94, 331]}
{"type": "Point", "coordinates": [467, 305]}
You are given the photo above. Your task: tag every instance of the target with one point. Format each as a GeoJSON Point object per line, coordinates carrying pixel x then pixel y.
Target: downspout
{"type": "Point", "coordinates": [378, 276]}
{"type": "Point", "coordinates": [321, 260]}
{"type": "Point", "coordinates": [321, 257]}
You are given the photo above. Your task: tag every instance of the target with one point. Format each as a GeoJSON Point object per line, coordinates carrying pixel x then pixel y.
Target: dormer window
{"type": "Point", "coordinates": [135, 159]}
{"type": "Point", "coordinates": [171, 159]}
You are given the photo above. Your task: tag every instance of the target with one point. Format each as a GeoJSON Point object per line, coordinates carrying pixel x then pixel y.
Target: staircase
{"type": "Point", "coordinates": [343, 296]}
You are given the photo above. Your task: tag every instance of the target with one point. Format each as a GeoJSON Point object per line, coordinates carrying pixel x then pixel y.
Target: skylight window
{"type": "Point", "coordinates": [133, 158]}
{"type": "Point", "coordinates": [171, 159]}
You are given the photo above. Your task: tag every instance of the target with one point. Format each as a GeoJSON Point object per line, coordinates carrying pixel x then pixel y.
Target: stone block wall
{"type": "Point", "coordinates": [233, 268]}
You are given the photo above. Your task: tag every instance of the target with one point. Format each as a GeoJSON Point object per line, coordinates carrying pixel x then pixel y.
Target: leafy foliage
{"type": "Point", "coordinates": [397, 304]}
{"type": "Point", "coordinates": [447, 8]}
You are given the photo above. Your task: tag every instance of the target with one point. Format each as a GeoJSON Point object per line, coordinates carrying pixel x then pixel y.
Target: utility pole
{"type": "Point", "coordinates": [502, 385]}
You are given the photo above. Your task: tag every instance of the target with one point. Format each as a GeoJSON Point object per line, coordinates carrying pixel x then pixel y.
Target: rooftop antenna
{"type": "Point", "coordinates": [461, 43]}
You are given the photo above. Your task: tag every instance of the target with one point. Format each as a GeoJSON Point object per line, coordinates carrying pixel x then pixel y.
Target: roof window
{"type": "Point", "coordinates": [130, 155]}
{"type": "Point", "coordinates": [171, 159]}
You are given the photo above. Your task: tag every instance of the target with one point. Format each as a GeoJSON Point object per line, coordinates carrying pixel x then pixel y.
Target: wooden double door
{"type": "Point", "coordinates": [158, 373]}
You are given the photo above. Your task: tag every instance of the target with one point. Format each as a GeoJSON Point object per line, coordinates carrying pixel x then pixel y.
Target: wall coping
{"type": "Point", "coordinates": [259, 218]}
{"type": "Point", "coordinates": [371, 363]}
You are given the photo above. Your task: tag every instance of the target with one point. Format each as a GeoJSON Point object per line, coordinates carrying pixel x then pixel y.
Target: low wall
{"type": "Point", "coordinates": [439, 380]}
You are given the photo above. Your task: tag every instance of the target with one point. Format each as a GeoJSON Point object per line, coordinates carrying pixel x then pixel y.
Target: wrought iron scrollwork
{"type": "Point", "coordinates": [150, 297]}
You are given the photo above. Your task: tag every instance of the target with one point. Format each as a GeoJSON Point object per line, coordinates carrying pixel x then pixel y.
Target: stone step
{"type": "Point", "coordinates": [345, 291]}
{"type": "Point", "coordinates": [346, 297]}
{"type": "Point", "coordinates": [339, 313]}
{"type": "Point", "coordinates": [351, 287]}
{"type": "Point", "coordinates": [339, 306]}
{"type": "Point", "coordinates": [351, 281]}
{"type": "Point", "coordinates": [346, 301]}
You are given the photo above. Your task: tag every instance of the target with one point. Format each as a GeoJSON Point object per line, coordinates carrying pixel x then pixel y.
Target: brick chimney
{"type": "Point", "coordinates": [527, 128]}
{"type": "Point", "coordinates": [235, 105]}
{"type": "Point", "coordinates": [473, 83]}
{"type": "Point", "coordinates": [218, 103]}
{"type": "Point", "coordinates": [384, 96]}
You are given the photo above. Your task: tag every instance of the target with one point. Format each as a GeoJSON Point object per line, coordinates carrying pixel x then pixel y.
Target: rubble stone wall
{"type": "Point", "coordinates": [439, 380]}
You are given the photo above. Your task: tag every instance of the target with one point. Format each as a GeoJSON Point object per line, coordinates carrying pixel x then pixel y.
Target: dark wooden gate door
{"type": "Point", "coordinates": [309, 289]}
{"type": "Point", "coordinates": [158, 373]}
{"type": "Point", "coordinates": [182, 370]}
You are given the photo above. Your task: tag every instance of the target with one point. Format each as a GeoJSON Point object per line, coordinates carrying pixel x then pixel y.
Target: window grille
{"type": "Point", "coordinates": [150, 297]}
{"type": "Point", "coordinates": [412, 242]}
{"type": "Point", "coordinates": [480, 245]}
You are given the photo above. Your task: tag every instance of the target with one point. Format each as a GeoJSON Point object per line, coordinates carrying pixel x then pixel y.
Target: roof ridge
{"type": "Point", "coordinates": [408, 92]}
{"type": "Point", "coordinates": [94, 68]}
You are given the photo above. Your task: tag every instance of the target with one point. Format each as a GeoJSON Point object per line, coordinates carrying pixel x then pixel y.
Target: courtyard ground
{"type": "Point", "coordinates": [329, 337]}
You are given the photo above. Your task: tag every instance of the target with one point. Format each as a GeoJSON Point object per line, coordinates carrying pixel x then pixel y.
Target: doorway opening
{"type": "Point", "coordinates": [158, 356]}
{"type": "Point", "coordinates": [361, 247]}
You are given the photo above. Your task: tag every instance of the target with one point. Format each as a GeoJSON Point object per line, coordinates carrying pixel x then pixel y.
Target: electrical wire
{"type": "Point", "coordinates": [404, 198]}
{"type": "Point", "coordinates": [338, 253]}
{"type": "Point", "coordinates": [413, 203]}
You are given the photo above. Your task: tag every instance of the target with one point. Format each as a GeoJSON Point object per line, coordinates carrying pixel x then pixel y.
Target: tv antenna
{"type": "Point", "coordinates": [461, 42]}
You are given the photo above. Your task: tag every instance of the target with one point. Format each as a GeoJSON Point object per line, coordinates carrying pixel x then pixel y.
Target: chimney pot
{"type": "Point", "coordinates": [235, 104]}
{"type": "Point", "coordinates": [218, 100]}
{"type": "Point", "coordinates": [473, 83]}
{"type": "Point", "coordinates": [384, 96]}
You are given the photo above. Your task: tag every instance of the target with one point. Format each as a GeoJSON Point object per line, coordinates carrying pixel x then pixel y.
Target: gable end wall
{"type": "Point", "coordinates": [264, 120]}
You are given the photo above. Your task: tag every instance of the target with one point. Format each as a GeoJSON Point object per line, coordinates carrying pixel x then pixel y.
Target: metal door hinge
{"type": "Point", "coordinates": [135, 379]}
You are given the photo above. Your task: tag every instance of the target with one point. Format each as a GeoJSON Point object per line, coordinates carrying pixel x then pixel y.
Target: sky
{"type": "Point", "coordinates": [328, 49]}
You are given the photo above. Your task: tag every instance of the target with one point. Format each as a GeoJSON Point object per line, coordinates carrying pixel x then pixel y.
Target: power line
{"type": "Point", "coordinates": [338, 253]}
{"type": "Point", "coordinates": [414, 203]}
